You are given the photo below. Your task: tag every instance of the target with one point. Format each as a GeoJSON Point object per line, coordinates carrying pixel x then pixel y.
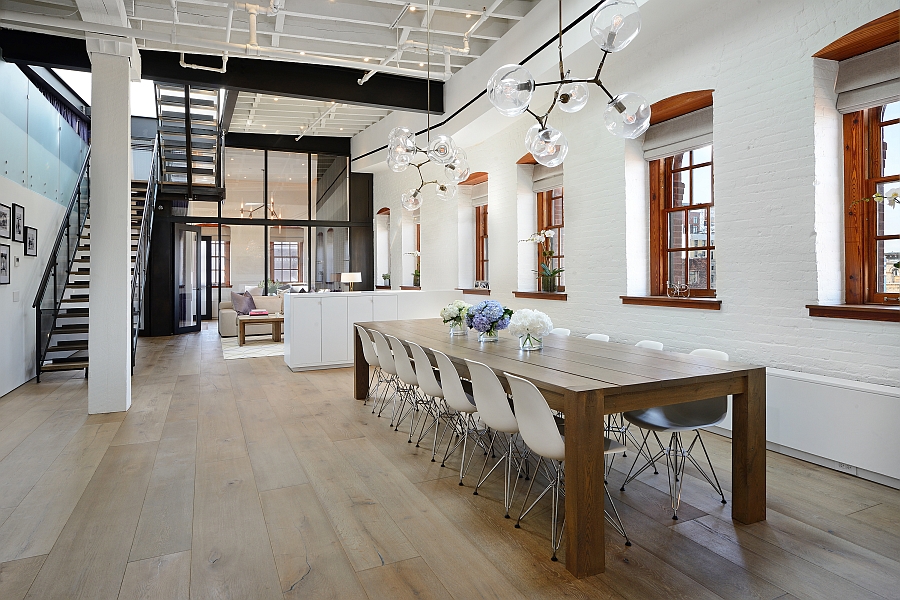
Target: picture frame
{"type": "Point", "coordinates": [18, 223]}
{"type": "Point", "coordinates": [5, 266]}
{"type": "Point", "coordinates": [31, 242]}
{"type": "Point", "coordinates": [5, 222]}
{"type": "Point", "coordinates": [482, 285]}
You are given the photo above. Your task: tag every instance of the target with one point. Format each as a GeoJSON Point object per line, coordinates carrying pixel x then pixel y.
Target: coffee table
{"type": "Point", "coordinates": [275, 319]}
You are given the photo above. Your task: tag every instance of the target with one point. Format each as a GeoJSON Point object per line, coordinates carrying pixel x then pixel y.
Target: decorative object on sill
{"type": "Point", "coordinates": [677, 290]}
{"type": "Point", "coordinates": [387, 278]}
{"type": "Point", "coordinates": [5, 266]}
{"type": "Point", "coordinates": [548, 277]}
{"type": "Point", "coordinates": [482, 285]}
{"type": "Point", "coordinates": [891, 200]}
{"type": "Point", "coordinates": [31, 241]}
{"type": "Point", "coordinates": [272, 286]}
{"type": "Point", "coordinates": [454, 315]}
{"type": "Point", "coordinates": [488, 318]}
{"type": "Point", "coordinates": [416, 274]}
{"type": "Point", "coordinates": [511, 87]}
{"type": "Point", "coordinates": [441, 150]}
{"type": "Point", "coordinates": [530, 326]}
{"type": "Point", "coordinates": [351, 278]}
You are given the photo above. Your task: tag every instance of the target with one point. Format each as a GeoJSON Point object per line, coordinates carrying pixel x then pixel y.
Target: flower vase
{"type": "Point", "coordinates": [416, 281]}
{"type": "Point", "coordinates": [458, 329]}
{"type": "Point", "coordinates": [491, 335]}
{"type": "Point", "coordinates": [530, 342]}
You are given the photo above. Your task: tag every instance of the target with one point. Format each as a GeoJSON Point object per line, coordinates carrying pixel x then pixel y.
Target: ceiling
{"type": "Point", "coordinates": [262, 113]}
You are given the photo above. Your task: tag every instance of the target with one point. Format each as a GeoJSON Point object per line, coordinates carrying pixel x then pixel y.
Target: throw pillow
{"type": "Point", "coordinates": [243, 303]}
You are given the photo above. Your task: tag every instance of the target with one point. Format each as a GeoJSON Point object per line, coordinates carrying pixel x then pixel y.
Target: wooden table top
{"type": "Point", "coordinates": [269, 317]}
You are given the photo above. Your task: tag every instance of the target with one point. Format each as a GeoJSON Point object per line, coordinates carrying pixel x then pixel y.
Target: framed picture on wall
{"type": "Point", "coordinates": [5, 221]}
{"type": "Point", "coordinates": [18, 223]}
{"type": "Point", "coordinates": [4, 264]}
{"type": "Point", "coordinates": [30, 241]}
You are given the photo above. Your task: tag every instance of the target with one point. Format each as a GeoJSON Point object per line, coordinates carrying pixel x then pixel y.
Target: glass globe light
{"type": "Point", "coordinates": [628, 115]}
{"type": "Point", "coordinates": [615, 24]}
{"type": "Point", "coordinates": [446, 191]}
{"type": "Point", "coordinates": [531, 135]}
{"type": "Point", "coordinates": [400, 148]}
{"type": "Point", "coordinates": [442, 150]}
{"type": "Point", "coordinates": [510, 89]}
{"type": "Point", "coordinates": [573, 97]}
{"type": "Point", "coordinates": [457, 170]}
{"type": "Point", "coordinates": [402, 133]}
{"type": "Point", "coordinates": [412, 199]}
{"type": "Point", "coordinates": [550, 147]}
{"type": "Point", "coordinates": [395, 166]}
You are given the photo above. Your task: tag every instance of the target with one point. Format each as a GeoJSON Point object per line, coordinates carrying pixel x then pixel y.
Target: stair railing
{"type": "Point", "coordinates": [52, 288]}
{"type": "Point", "coordinates": [139, 275]}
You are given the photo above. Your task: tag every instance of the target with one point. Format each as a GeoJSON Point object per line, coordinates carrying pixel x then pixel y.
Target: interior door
{"type": "Point", "coordinates": [206, 288]}
{"type": "Point", "coordinates": [187, 278]}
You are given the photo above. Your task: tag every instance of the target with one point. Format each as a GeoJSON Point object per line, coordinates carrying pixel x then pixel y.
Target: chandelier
{"type": "Point", "coordinates": [441, 150]}
{"type": "Point", "coordinates": [627, 115]}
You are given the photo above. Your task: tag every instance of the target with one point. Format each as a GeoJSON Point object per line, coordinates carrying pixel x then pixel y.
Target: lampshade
{"type": "Point", "coordinates": [351, 277]}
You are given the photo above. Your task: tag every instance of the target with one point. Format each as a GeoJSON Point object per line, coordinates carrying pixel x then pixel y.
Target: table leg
{"type": "Point", "coordinates": [276, 332]}
{"type": "Point", "coordinates": [241, 334]}
{"type": "Point", "coordinates": [585, 496]}
{"type": "Point", "coordinates": [360, 369]}
{"type": "Point", "coordinates": [748, 458]}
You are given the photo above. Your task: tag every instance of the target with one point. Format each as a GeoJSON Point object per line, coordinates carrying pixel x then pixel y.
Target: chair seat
{"type": "Point", "coordinates": [680, 417]}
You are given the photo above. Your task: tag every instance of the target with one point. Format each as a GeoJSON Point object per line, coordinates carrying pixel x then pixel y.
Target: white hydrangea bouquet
{"type": "Point", "coordinates": [530, 326]}
{"type": "Point", "coordinates": [454, 315]}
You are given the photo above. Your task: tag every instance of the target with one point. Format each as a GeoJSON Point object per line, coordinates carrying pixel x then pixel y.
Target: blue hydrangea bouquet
{"type": "Point", "coordinates": [488, 318]}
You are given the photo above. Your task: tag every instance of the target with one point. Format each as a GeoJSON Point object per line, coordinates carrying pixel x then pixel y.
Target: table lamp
{"type": "Point", "coordinates": [351, 278]}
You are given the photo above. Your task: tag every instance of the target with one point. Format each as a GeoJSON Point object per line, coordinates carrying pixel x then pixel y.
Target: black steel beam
{"type": "Point", "coordinates": [308, 143]}
{"type": "Point", "coordinates": [263, 76]}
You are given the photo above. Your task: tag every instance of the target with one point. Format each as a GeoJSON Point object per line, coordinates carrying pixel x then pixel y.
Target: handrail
{"type": "Point", "coordinates": [138, 276]}
{"type": "Point", "coordinates": [62, 230]}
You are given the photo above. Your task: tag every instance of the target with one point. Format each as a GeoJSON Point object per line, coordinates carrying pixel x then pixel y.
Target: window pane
{"type": "Point", "coordinates": [712, 269]}
{"type": "Point", "coordinates": [556, 217]}
{"type": "Point", "coordinates": [680, 160]}
{"type": "Point", "coordinates": [676, 268]}
{"type": "Point", "coordinates": [681, 189]}
{"type": "Point", "coordinates": [703, 155]}
{"type": "Point", "coordinates": [676, 229]}
{"type": "Point", "coordinates": [890, 136]}
{"type": "Point", "coordinates": [697, 228]}
{"type": "Point", "coordinates": [331, 192]}
{"type": "Point", "coordinates": [703, 185]}
{"type": "Point", "coordinates": [888, 216]}
{"type": "Point", "coordinates": [288, 176]}
{"type": "Point", "coordinates": [244, 171]}
{"type": "Point", "coordinates": [712, 225]}
{"type": "Point", "coordinates": [888, 252]}
{"type": "Point", "coordinates": [697, 269]}
{"type": "Point", "coordinates": [891, 111]}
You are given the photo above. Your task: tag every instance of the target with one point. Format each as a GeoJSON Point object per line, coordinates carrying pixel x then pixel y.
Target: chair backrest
{"type": "Point", "coordinates": [425, 372]}
{"type": "Point", "coordinates": [454, 394]}
{"type": "Point", "coordinates": [491, 399]}
{"type": "Point", "coordinates": [710, 411]}
{"type": "Point", "coordinates": [536, 422]}
{"type": "Point", "coordinates": [649, 344]}
{"type": "Point", "coordinates": [560, 331]}
{"type": "Point", "coordinates": [401, 362]}
{"type": "Point", "coordinates": [600, 337]}
{"type": "Point", "coordinates": [383, 349]}
{"type": "Point", "coordinates": [707, 353]}
{"type": "Point", "coordinates": [367, 346]}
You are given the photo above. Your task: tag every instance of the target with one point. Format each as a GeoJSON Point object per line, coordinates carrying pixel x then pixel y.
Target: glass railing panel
{"type": "Point", "coordinates": [13, 123]}
{"type": "Point", "coordinates": [43, 146]}
{"type": "Point", "coordinates": [72, 150]}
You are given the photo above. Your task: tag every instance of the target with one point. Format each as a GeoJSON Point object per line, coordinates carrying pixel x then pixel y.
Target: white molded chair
{"type": "Point", "coordinates": [600, 337]}
{"type": "Point", "coordinates": [431, 387]}
{"type": "Point", "coordinates": [560, 331]}
{"type": "Point", "coordinates": [677, 419]}
{"type": "Point", "coordinates": [650, 344]}
{"type": "Point", "coordinates": [463, 413]}
{"type": "Point", "coordinates": [540, 432]}
{"type": "Point", "coordinates": [411, 403]}
{"type": "Point", "coordinates": [495, 412]}
{"type": "Point", "coordinates": [386, 361]}
{"type": "Point", "coordinates": [371, 357]}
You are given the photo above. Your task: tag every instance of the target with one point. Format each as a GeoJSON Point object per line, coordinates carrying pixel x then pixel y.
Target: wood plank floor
{"type": "Point", "coordinates": [239, 479]}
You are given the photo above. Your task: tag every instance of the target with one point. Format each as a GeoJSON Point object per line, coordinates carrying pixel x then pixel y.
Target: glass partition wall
{"type": "Point", "coordinates": [284, 222]}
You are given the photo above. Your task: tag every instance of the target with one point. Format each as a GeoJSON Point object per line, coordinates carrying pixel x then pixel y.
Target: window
{"type": "Point", "coordinates": [872, 236]}
{"type": "Point", "coordinates": [551, 255]}
{"type": "Point", "coordinates": [285, 261]}
{"type": "Point", "coordinates": [682, 223]}
{"type": "Point", "coordinates": [220, 253]}
{"type": "Point", "coordinates": [481, 243]}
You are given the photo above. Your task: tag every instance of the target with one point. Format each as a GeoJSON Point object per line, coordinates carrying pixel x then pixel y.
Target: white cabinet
{"type": "Point", "coordinates": [303, 331]}
{"type": "Point", "coordinates": [384, 308]}
{"type": "Point", "coordinates": [360, 309]}
{"type": "Point", "coordinates": [334, 340]}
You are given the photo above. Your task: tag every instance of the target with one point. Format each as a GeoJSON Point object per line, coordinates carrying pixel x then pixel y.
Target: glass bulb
{"type": "Point", "coordinates": [442, 150]}
{"type": "Point", "coordinates": [446, 191]}
{"type": "Point", "coordinates": [628, 115]}
{"type": "Point", "coordinates": [457, 170]}
{"type": "Point", "coordinates": [402, 133]}
{"type": "Point", "coordinates": [615, 24]}
{"type": "Point", "coordinates": [412, 199]}
{"type": "Point", "coordinates": [510, 89]}
{"type": "Point", "coordinates": [573, 97]}
{"type": "Point", "coordinates": [531, 135]}
{"type": "Point", "coordinates": [395, 166]}
{"type": "Point", "coordinates": [550, 147]}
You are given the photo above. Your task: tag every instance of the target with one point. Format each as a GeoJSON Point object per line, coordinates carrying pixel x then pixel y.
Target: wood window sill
{"type": "Point", "coordinates": [382, 287]}
{"type": "Point", "coordinates": [410, 287]}
{"type": "Point", "coordinates": [698, 303]}
{"type": "Point", "coordinates": [474, 291]}
{"type": "Point", "coordinates": [865, 312]}
{"type": "Point", "coordinates": [542, 295]}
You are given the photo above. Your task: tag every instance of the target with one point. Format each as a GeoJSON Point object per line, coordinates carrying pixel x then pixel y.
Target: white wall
{"type": "Point", "coordinates": [17, 318]}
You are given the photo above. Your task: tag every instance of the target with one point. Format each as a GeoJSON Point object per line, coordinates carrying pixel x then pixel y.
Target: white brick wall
{"type": "Point", "coordinates": [777, 187]}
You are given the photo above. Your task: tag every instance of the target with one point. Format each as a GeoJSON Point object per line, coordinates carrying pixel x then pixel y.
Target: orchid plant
{"type": "Point", "coordinates": [547, 275]}
{"type": "Point", "coordinates": [416, 274]}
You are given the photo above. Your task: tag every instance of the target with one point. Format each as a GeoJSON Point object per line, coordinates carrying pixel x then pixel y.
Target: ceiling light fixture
{"type": "Point", "coordinates": [441, 150]}
{"type": "Point", "coordinates": [627, 115]}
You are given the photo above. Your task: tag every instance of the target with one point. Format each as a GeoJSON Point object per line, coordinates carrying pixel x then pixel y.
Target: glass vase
{"type": "Point", "coordinates": [530, 342]}
{"type": "Point", "coordinates": [489, 336]}
{"type": "Point", "coordinates": [458, 329]}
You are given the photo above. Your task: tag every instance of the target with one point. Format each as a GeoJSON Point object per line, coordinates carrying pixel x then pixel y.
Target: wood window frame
{"type": "Point", "coordinates": [545, 222]}
{"type": "Point", "coordinates": [272, 258]}
{"type": "Point", "coordinates": [226, 262]}
{"type": "Point", "coordinates": [481, 241]}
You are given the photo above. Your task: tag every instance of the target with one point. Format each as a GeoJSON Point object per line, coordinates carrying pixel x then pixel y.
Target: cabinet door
{"type": "Point", "coordinates": [306, 331]}
{"type": "Point", "coordinates": [359, 310]}
{"type": "Point", "coordinates": [334, 330]}
{"type": "Point", "coordinates": [384, 307]}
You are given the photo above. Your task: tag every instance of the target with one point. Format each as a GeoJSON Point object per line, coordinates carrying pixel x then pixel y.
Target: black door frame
{"type": "Point", "coordinates": [177, 312]}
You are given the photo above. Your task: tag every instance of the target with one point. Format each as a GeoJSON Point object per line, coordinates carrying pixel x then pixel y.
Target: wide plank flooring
{"type": "Point", "coordinates": [242, 480]}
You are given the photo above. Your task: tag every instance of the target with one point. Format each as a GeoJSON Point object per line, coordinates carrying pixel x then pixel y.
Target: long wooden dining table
{"type": "Point", "coordinates": [588, 379]}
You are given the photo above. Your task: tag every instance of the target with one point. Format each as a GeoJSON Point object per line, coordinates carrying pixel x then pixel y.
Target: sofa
{"type": "Point", "coordinates": [228, 324]}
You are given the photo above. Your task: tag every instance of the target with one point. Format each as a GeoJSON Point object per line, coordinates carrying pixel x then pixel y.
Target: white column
{"type": "Point", "coordinates": [109, 339]}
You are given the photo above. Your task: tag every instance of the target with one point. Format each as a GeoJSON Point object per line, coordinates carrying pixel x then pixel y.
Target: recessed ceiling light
{"type": "Point", "coordinates": [303, 54]}
{"type": "Point", "coordinates": [264, 124]}
{"type": "Point", "coordinates": [276, 99]}
{"type": "Point", "coordinates": [366, 59]}
{"type": "Point", "coordinates": [232, 158]}
{"type": "Point", "coordinates": [289, 179]}
{"type": "Point", "coordinates": [342, 128]}
{"type": "Point", "coordinates": [412, 9]}
{"type": "Point", "coordinates": [468, 16]}
{"type": "Point", "coordinates": [421, 64]}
